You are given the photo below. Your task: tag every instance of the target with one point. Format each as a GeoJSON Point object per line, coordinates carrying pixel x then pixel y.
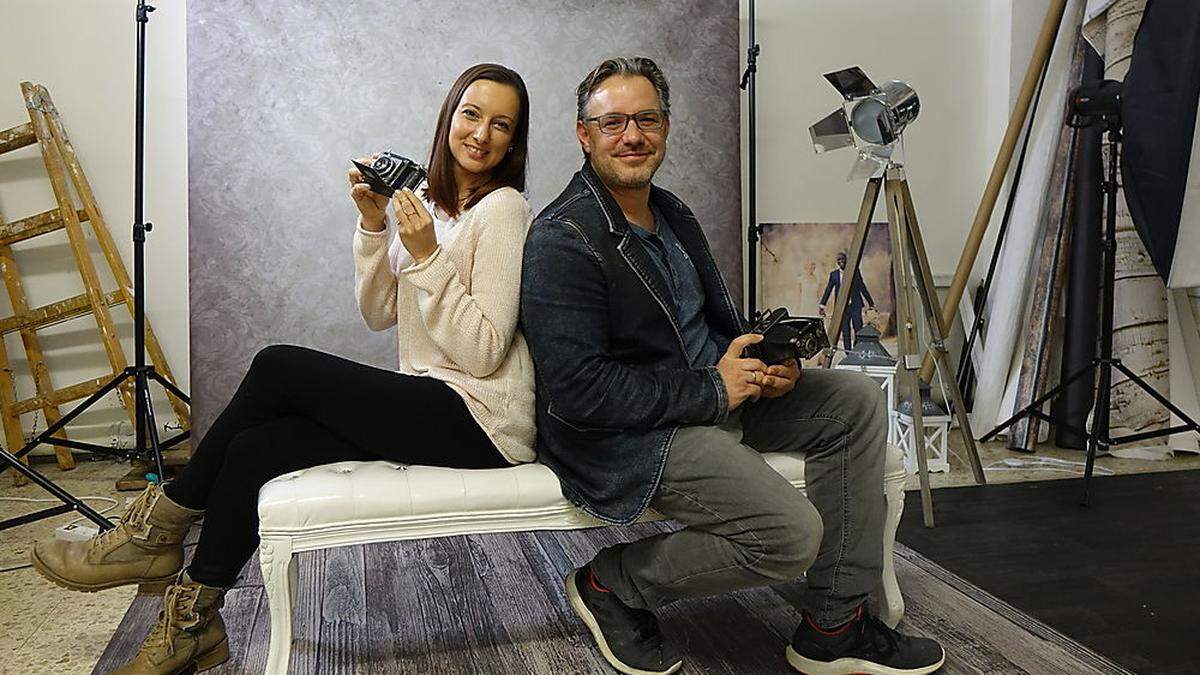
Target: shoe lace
{"type": "Point", "coordinates": [134, 519]}
{"type": "Point", "coordinates": [885, 640]}
{"type": "Point", "coordinates": [175, 603]}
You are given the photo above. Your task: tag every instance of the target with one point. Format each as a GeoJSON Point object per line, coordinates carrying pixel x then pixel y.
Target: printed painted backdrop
{"type": "Point", "coordinates": [798, 258]}
{"type": "Point", "coordinates": [282, 94]}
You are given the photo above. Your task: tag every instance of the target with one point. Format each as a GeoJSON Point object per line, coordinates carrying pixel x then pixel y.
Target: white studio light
{"type": "Point", "coordinates": [870, 119]}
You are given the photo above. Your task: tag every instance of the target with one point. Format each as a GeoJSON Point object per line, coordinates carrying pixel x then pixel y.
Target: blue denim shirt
{"type": "Point", "coordinates": [685, 290]}
{"type": "Point", "coordinates": [614, 378]}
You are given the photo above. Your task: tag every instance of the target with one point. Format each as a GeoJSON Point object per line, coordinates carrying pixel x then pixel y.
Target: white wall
{"type": "Point", "coordinates": [84, 53]}
{"type": "Point", "coordinates": [966, 60]}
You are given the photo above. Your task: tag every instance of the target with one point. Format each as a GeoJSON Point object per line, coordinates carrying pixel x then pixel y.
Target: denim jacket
{"type": "Point", "coordinates": [613, 379]}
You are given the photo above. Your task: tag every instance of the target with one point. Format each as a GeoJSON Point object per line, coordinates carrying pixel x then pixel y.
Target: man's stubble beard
{"type": "Point", "coordinates": [614, 178]}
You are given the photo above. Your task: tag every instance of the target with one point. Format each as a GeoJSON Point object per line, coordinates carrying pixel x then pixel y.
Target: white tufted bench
{"type": "Point", "coordinates": [363, 502]}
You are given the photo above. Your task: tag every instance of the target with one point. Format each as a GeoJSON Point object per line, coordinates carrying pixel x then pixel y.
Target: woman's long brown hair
{"type": "Point", "coordinates": [510, 172]}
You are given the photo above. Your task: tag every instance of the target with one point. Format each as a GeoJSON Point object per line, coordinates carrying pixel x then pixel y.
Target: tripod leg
{"type": "Point", "coordinates": [910, 360]}
{"type": "Point", "coordinates": [933, 315]}
{"type": "Point", "coordinates": [169, 386]}
{"type": "Point", "coordinates": [151, 429]}
{"type": "Point", "coordinates": [1037, 404]}
{"type": "Point", "coordinates": [1116, 363]}
{"type": "Point", "coordinates": [66, 419]}
{"type": "Point", "coordinates": [8, 459]}
{"type": "Point", "coordinates": [853, 260]}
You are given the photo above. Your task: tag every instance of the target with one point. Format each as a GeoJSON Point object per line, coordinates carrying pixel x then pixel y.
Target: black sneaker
{"type": "Point", "coordinates": [628, 638]}
{"type": "Point", "coordinates": [865, 645]}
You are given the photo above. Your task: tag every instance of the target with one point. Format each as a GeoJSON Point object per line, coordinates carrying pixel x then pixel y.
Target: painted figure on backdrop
{"type": "Point", "coordinates": [809, 285]}
{"type": "Point", "coordinates": [645, 401]}
{"type": "Point", "coordinates": [447, 275]}
{"type": "Point", "coordinates": [854, 306]}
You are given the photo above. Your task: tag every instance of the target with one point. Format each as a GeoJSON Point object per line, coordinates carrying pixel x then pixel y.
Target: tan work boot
{"type": "Point", "coordinates": [146, 547]}
{"type": "Point", "coordinates": [189, 636]}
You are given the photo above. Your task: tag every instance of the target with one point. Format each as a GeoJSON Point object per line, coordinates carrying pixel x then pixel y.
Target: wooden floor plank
{"type": "Point", "coordinates": [344, 647]}
{"type": "Point", "coordinates": [494, 604]}
{"type": "Point", "coordinates": [396, 613]}
{"type": "Point", "coordinates": [532, 607]}
{"type": "Point", "coordinates": [467, 590]}
{"type": "Point", "coordinates": [429, 597]}
{"type": "Point", "coordinates": [239, 613]}
{"type": "Point", "coordinates": [306, 613]}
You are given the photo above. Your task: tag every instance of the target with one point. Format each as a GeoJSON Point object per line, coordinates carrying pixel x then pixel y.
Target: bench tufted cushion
{"type": "Point", "coordinates": [384, 501]}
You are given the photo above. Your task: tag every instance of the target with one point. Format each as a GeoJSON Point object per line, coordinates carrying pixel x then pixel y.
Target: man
{"type": "Point", "coordinates": [644, 400]}
{"type": "Point", "coordinates": [854, 306]}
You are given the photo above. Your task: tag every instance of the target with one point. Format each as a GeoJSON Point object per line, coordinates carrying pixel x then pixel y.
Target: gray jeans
{"type": "Point", "coordinates": [746, 526]}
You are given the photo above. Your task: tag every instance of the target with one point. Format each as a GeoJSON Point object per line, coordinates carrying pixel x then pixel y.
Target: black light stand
{"type": "Point", "coordinates": [1101, 435]}
{"type": "Point", "coordinates": [752, 229]}
{"type": "Point", "coordinates": [141, 373]}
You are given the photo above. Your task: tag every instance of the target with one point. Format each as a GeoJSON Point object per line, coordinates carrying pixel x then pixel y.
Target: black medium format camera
{"type": "Point", "coordinates": [786, 337]}
{"type": "Point", "coordinates": [391, 172]}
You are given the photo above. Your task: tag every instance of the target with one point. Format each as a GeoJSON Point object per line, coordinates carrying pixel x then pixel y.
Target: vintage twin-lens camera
{"type": "Point", "coordinates": [787, 337]}
{"type": "Point", "coordinates": [391, 172]}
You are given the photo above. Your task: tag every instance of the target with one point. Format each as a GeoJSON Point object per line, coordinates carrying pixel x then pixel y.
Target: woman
{"type": "Point", "coordinates": [463, 397]}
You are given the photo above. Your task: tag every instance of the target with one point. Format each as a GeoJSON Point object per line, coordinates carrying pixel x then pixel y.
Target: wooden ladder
{"type": "Point", "coordinates": [45, 128]}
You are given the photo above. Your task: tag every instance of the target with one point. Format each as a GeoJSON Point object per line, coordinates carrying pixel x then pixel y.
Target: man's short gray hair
{"type": "Point", "coordinates": [626, 66]}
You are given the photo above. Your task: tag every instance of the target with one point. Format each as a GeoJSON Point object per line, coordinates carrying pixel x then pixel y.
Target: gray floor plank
{"type": "Point", "coordinates": [467, 589]}
{"type": "Point", "coordinates": [306, 613]}
{"type": "Point", "coordinates": [532, 607]}
{"type": "Point", "coordinates": [344, 646]}
{"type": "Point", "coordinates": [239, 613]}
{"type": "Point", "coordinates": [494, 604]}
{"type": "Point", "coordinates": [397, 615]}
{"type": "Point", "coordinates": [422, 579]}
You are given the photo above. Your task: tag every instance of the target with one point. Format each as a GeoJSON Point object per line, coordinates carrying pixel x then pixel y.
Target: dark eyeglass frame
{"type": "Point", "coordinates": [642, 123]}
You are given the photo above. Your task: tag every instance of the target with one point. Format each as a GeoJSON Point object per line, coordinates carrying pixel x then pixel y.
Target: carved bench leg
{"type": "Point", "coordinates": [279, 579]}
{"type": "Point", "coordinates": [891, 608]}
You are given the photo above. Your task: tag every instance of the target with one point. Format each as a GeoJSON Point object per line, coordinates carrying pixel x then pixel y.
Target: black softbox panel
{"type": "Point", "coordinates": [1159, 114]}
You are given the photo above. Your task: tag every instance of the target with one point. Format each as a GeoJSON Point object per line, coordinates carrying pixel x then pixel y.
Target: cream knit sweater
{"type": "Point", "coordinates": [456, 315]}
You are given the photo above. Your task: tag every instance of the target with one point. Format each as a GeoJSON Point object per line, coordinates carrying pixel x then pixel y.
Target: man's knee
{"type": "Point", "coordinates": [791, 545]}
{"type": "Point", "coordinates": [860, 398]}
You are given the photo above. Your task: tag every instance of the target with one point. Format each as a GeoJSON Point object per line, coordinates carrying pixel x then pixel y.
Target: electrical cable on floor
{"type": "Point", "coordinates": [1045, 464]}
{"type": "Point", "coordinates": [35, 500]}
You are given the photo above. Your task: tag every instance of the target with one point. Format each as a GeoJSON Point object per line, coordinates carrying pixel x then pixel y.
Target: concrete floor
{"type": "Point", "coordinates": [47, 629]}
{"type": "Point", "coordinates": [44, 628]}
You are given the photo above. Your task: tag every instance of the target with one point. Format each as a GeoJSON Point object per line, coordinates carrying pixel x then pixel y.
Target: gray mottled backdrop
{"type": "Point", "coordinates": [282, 94]}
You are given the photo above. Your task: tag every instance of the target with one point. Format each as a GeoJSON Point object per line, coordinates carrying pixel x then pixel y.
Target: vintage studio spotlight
{"type": "Point", "coordinates": [872, 119]}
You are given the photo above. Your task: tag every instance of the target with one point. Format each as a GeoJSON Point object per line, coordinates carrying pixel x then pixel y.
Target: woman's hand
{"type": "Point", "coordinates": [414, 225]}
{"type": "Point", "coordinates": [370, 204]}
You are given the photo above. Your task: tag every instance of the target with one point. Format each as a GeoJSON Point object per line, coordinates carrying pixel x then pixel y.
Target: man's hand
{"type": "Point", "coordinates": [781, 379]}
{"type": "Point", "coordinates": [743, 378]}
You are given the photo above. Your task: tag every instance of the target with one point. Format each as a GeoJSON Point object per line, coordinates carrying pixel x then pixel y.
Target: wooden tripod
{"type": "Point", "coordinates": [910, 267]}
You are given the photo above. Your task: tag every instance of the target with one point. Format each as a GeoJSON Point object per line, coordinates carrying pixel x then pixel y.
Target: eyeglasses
{"type": "Point", "coordinates": [616, 123]}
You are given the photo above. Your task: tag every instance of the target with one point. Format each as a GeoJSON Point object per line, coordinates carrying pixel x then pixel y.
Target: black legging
{"type": "Point", "coordinates": [297, 408]}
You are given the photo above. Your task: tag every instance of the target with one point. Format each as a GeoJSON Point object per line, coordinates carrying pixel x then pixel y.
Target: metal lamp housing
{"type": "Point", "coordinates": [871, 119]}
